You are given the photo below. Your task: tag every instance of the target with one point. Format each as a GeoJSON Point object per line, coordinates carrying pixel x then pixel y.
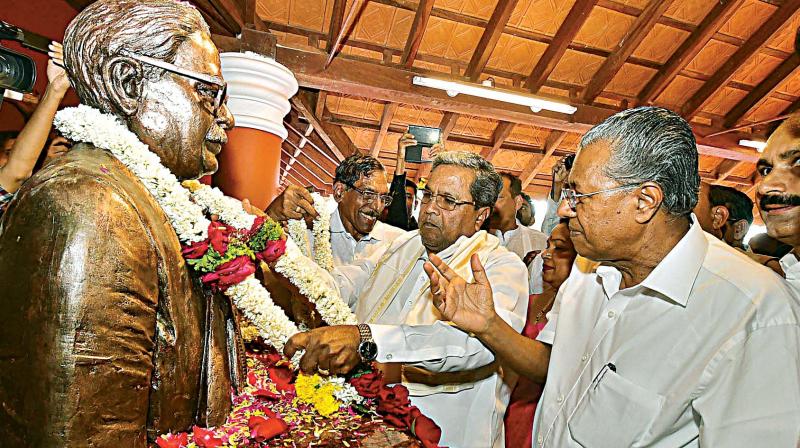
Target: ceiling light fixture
{"type": "Point", "coordinates": [757, 145]}
{"type": "Point", "coordinates": [454, 88]}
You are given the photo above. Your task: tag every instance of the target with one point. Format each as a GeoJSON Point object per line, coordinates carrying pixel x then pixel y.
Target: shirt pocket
{"type": "Point", "coordinates": [614, 413]}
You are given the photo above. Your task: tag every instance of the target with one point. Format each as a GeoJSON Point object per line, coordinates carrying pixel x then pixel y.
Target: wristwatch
{"type": "Point", "coordinates": [367, 348]}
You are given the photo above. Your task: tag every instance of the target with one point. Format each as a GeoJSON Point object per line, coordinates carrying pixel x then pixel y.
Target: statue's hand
{"type": "Point", "coordinates": [468, 305]}
{"type": "Point", "coordinates": [294, 203]}
{"type": "Point", "coordinates": [329, 350]}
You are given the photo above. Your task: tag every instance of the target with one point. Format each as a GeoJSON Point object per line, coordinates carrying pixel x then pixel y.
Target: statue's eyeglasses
{"type": "Point", "coordinates": [215, 81]}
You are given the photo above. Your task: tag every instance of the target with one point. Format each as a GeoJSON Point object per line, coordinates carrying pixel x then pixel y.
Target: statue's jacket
{"type": "Point", "coordinates": [106, 339]}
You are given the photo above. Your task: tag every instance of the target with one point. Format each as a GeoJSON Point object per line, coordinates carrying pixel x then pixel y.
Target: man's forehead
{"type": "Point", "coordinates": [451, 177]}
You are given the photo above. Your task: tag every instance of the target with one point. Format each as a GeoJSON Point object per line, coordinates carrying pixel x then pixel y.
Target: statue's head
{"type": "Point", "coordinates": [153, 64]}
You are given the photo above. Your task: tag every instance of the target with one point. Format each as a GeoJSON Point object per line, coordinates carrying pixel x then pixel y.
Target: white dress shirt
{"type": "Point", "coordinates": [346, 250]}
{"type": "Point", "coordinates": [521, 241]}
{"type": "Point", "coordinates": [704, 352]}
{"type": "Point", "coordinates": [791, 269]}
{"type": "Point", "coordinates": [470, 415]}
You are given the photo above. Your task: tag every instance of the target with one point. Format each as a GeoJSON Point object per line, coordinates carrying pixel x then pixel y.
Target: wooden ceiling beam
{"type": "Point", "coordinates": [389, 110]}
{"type": "Point", "coordinates": [726, 168]}
{"type": "Point", "coordinates": [335, 24]}
{"type": "Point", "coordinates": [712, 22]}
{"type": "Point", "coordinates": [636, 34]}
{"type": "Point", "coordinates": [489, 38]}
{"type": "Point", "coordinates": [763, 90]}
{"type": "Point", "coordinates": [551, 144]}
{"type": "Point", "coordinates": [500, 134]}
{"type": "Point", "coordinates": [447, 124]}
{"type": "Point", "coordinates": [758, 40]}
{"type": "Point", "coordinates": [344, 30]}
{"type": "Point", "coordinates": [333, 136]}
{"type": "Point", "coordinates": [555, 51]}
{"type": "Point", "coordinates": [421, 16]}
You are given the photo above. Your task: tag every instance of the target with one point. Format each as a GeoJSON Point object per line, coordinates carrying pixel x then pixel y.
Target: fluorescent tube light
{"type": "Point", "coordinates": [757, 145]}
{"type": "Point", "coordinates": [454, 88]}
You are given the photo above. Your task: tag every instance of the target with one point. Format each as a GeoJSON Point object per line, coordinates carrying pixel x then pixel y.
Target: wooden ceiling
{"type": "Point", "coordinates": [724, 65]}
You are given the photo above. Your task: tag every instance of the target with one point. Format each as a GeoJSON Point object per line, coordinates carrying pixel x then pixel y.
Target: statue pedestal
{"type": "Point", "coordinates": [258, 96]}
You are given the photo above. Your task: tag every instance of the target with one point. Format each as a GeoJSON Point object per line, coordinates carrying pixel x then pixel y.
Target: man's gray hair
{"type": "Point", "coordinates": [487, 184]}
{"type": "Point", "coordinates": [652, 144]}
{"type": "Point", "coordinates": [154, 28]}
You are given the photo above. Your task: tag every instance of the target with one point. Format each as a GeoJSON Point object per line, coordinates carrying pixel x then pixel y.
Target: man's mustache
{"type": "Point", "coordinates": [217, 135]}
{"type": "Point", "coordinates": [370, 212]}
{"type": "Point", "coordinates": [786, 200]}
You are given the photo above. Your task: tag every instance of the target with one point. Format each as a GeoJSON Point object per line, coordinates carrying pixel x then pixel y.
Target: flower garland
{"type": "Point", "coordinates": [321, 231]}
{"type": "Point", "coordinates": [224, 251]}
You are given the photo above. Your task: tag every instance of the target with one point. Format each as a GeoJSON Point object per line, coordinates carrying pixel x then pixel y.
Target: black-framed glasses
{"type": "Point", "coordinates": [371, 196]}
{"type": "Point", "coordinates": [218, 83]}
{"type": "Point", "coordinates": [573, 198]}
{"type": "Point", "coordinates": [443, 201]}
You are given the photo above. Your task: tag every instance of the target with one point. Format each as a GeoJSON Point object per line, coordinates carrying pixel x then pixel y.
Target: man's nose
{"type": "Point", "coordinates": [772, 183]}
{"type": "Point", "coordinates": [564, 210]}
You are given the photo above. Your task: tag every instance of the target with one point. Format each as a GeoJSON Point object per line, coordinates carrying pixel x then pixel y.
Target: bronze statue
{"type": "Point", "coordinates": [106, 339]}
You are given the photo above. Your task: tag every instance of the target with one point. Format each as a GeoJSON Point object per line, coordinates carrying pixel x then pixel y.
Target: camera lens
{"type": "Point", "coordinates": [17, 71]}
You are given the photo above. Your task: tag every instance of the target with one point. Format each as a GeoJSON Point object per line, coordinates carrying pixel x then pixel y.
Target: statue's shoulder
{"type": "Point", "coordinates": [86, 181]}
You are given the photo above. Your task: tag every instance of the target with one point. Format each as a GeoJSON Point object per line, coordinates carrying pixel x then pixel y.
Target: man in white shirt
{"type": "Point", "coordinates": [778, 193]}
{"type": "Point", "coordinates": [392, 295]}
{"type": "Point", "coordinates": [677, 339]}
{"type": "Point", "coordinates": [514, 236]}
{"type": "Point", "coordinates": [361, 192]}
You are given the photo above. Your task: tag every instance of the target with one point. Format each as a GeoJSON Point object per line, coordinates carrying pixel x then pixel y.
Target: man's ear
{"type": "Point", "coordinates": [338, 191]}
{"type": "Point", "coordinates": [649, 199]}
{"type": "Point", "coordinates": [483, 215]}
{"type": "Point", "coordinates": [740, 229]}
{"type": "Point", "coordinates": [124, 78]}
{"type": "Point", "coordinates": [518, 201]}
{"type": "Point", "coordinates": [719, 216]}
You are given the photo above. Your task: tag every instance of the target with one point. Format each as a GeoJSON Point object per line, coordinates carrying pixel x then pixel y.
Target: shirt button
{"type": "Point", "coordinates": [389, 356]}
{"type": "Point", "coordinates": [611, 314]}
{"type": "Point", "coordinates": [584, 358]}
{"type": "Point", "coordinates": [560, 398]}
{"type": "Point", "coordinates": [540, 439]}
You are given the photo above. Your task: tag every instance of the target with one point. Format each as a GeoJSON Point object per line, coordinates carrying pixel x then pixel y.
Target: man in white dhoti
{"type": "Point", "coordinates": [392, 296]}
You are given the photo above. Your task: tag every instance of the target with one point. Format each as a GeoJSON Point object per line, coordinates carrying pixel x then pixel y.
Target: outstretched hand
{"type": "Point", "coordinates": [329, 350]}
{"type": "Point", "coordinates": [468, 305]}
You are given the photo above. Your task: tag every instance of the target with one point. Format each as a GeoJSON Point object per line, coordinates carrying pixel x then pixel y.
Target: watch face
{"type": "Point", "coordinates": [368, 350]}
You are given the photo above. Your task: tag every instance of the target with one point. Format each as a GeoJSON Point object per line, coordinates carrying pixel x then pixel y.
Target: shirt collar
{"type": "Point", "coordinates": [508, 233]}
{"type": "Point", "coordinates": [791, 266]}
{"type": "Point", "coordinates": [674, 276]}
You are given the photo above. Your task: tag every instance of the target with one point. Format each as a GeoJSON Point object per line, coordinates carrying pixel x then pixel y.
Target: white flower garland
{"type": "Point", "coordinates": [87, 124]}
{"type": "Point", "coordinates": [321, 231]}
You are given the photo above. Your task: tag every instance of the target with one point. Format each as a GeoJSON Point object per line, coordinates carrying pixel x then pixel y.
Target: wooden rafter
{"type": "Point", "coordinates": [392, 84]}
{"type": "Point", "coordinates": [389, 110]}
{"type": "Point", "coordinates": [421, 16]}
{"type": "Point", "coordinates": [757, 41]}
{"type": "Point", "coordinates": [712, 22]}
{"type": "Point", "coordinates": [335, 24]}
{"type": "Point", "coordinates": [726, 168]}
{"type": "Point", "coordinates": [763, 90]}
{"type": "Point", "coordinates": [638, 31]}
{"type": "Point", "coordinates": [551, 144]}
{"type": "Point", "coordinates": [500, 134]}
{"type": "Point", "coordinates": [447, 124]}
{"type": "Point", "coordinates": [347, 23]}
{"type": "Point", "coordinates": [555, 51]}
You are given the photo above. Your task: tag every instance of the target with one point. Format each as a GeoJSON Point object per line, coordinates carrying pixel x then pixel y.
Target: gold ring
{"type": "Point", "coordinates": [323, 372]}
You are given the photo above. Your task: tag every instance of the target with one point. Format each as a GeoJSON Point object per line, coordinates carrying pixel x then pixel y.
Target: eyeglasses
{"type": "Point", "coordinates": [572, 197]}
{"type": "Point", "coordinates": [371, 196]}
{"type": "Point", "coordinates": [443, 202]}
{"type": "Point", "coordinates": [215, 81]}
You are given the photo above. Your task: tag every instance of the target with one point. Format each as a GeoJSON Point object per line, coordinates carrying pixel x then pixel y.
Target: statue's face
{"type": "Point", "coordinates": [175, 114]}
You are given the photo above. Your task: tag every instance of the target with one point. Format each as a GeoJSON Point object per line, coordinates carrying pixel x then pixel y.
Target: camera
{"type": "Point", "coordinates": [18, 71]}
{"type": "Point", "coordinates": [568, 161]}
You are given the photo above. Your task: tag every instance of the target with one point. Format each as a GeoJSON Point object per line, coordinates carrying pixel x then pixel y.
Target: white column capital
{"type": "Point", "coordinates": [258, 91]}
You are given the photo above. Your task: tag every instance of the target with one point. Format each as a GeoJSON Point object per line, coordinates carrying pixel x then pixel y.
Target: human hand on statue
{"type": "Point", "coordinates": [56, 75]}
{"type": "Point", "coordinates": [294, 203]}
{"type": "Point", "coordinates": [329, 350]}
{"type": "Point", "coordinates": [469, 305]}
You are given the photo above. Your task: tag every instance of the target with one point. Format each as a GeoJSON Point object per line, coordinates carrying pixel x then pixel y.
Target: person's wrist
{"type": "Point", "coordinates": [488, 327]}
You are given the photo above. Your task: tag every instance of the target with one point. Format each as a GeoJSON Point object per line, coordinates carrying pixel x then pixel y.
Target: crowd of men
{"type": "Point", "coordinates": [676, 334]}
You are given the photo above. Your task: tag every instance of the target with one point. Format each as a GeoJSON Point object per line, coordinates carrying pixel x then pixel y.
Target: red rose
{"type": "Point", "coordinates": [205, 438]}
{"type": "Point", "coordinates": [230, 273]}
{"type": "Point", "coordinates": [425, 429]}
{"type": "Point", "coordinates": [281, 376]}
{"type": "Point", "coordinates": [368, 385]}
{"type": "Point", "coordinates": [266, 394]}
{"type": "Point", "coordinates": [262, 429]}
{"type": "Point", "coordinates": [273, 251]}
{"type": "Point", "coordinates": [195, 250]}
{"type": "Point", "coordinates": [218, 236]}
{"type": "Point", "coordinates": [394, 406]}
{"type": "Point", "coordinates": [173, 440]}
{"type": "Point", "coordinates": [256, 225]}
